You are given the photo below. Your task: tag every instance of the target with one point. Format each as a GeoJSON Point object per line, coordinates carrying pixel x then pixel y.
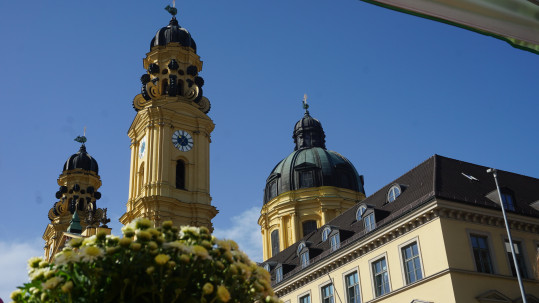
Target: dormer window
{"type": "Point", "coordinates": [267, 267]}
{"type": "Point", "coordinates": [301, 246]}
{"type": "Point", "coordinates": [304, 257]}
{"type": "Point", "coordinates": [278, 274]}
{"type": "Point", "coordinates": [306, 179]}
{"type": "Point", "coordinates": [335, 241]}
{"type": "Point", "coordinates": [326, 233]}
{"type": "Point", "coordinates": [393, 193]}
{"type": "Point", "coordinates": [303, 254]}
{"type": "Point", "coordinates": [360, 211]}
{"type": "Point", "coordinates": [507, 199]}
{"type": "Point", "coordinates": [273, 189]}
{"type": "Point", "coordinates": [370, 223]}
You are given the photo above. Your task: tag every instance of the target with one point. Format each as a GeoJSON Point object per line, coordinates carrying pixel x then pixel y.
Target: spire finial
{"type": "Point", "coordinates": [82, 139]}
{"type": "Point", "coordinates": [172, 9]}
{"type": "Point", "coordinates": [305, 105]}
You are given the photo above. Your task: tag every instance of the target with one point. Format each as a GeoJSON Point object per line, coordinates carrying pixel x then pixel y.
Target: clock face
{"type": "Point", "coordinates": [182, 140]}
{"type": "Point", "coordinates": [142, 148]}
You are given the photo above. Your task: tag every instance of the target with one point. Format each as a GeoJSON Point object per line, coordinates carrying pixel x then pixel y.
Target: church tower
{"type": "Point", "coordinates": [75, 214]}
{"type": "Point", "coordinates": [307, 189]}
{"type": "Point", "coordinates": [170, 135]}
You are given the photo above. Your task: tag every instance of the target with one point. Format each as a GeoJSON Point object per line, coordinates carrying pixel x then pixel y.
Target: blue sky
{"type": "Point", "coordinates": [390, 89]}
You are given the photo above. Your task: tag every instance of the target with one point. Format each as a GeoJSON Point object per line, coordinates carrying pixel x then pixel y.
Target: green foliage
{"type": "Point", "coordinates": [148, 265]}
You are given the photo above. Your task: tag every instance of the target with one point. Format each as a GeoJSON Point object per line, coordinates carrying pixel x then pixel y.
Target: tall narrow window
{"type": "Point", "coordinates": [305, 299]}
{"type": "Point", "coordinates": [274, 242]}
{"type": "Point", "coordinates": [481, 254]}
{"type": "Point", "coordinates": [304, 258]}
{"type": "Point", "coordinates": [380, 277]}
{"type": "Point", "coordinates": [507, 200]}
{"type": "Point", "coordinates": [278, 274]}
{"type": "Point", "coordinates": [273, 189]}
{"type": "Point", "coordinates": [326, 233]}
{"type": "Point", "coordinates": [412, 263]}
{"type": "Point", "coordinates": [335, 241]}
{"type": "Point", "coordinates": [520, 258]}
{"type": "Point", "coordinates": [309, 226]}
{"type": "Point", "coordinates": [370, 224]}
{"type": "Point", "coordinates": [327, 294]}
{"type": "Point", "coordinates": [306, 179]}
{"type": "Point", "coordinates": [140, 178]}
{"type": "Point", "coordinates": [352, 288]}
{"type": "Point", "coordinates": [180, 174]}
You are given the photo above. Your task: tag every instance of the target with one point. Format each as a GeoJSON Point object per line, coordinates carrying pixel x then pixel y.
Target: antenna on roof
{"type": "Point", "coordinates": [305, 105]}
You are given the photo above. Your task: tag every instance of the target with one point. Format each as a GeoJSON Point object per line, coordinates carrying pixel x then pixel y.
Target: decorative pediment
{"type": "Point", "coordinates": [492, 296]}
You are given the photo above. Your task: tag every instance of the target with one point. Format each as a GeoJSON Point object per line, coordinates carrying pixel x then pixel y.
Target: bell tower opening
{"type": "Point", "coordinates": [180, 174]}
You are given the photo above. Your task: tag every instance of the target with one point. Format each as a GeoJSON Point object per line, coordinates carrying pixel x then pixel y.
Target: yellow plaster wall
{"type": "Point", "coordinates": [289, 210]}
{"type": "Point", "coordinates": [436, 286]}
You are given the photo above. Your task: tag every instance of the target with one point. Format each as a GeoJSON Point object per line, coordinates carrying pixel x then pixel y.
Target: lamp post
{"type": "Point", "coordinates": [517, 269]}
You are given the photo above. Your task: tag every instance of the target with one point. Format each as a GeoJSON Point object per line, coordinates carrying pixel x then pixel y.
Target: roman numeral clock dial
{"type": "Point", "coordinates": [182, 140]}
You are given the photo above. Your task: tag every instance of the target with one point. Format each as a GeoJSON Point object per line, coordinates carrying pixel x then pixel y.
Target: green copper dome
{"type": "Point", "coordinates": [311, 164]}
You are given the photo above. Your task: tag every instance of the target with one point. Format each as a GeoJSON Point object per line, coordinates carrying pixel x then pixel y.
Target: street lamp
{"type": "Point", "coordinates": [517, 269]}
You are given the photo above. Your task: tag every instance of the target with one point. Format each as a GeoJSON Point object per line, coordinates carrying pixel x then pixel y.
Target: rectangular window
{"type": "Point", "coordinates": [481, 254]}
{"type": "Point", "coordinates": [370, 224]}
{"type": "Point", "coordinates": [507, 200]}
{"type": "Point", "coordinates": [520, 258]}
{"type": "Point", "coordinates": [335, 242]}
{"type": "Point", "coordinates": [278, 274]}
{"type": "Point", "coordinates": [380, 277]}
{"type": "Point", "coordinates": [306, 179]}
{"type": "Point", "coordinates": [411, 263]}
{"type": "Point", "coordinates": [327, 294]}
{"type": "Point", "coordinates": [304, 259]}
{"type": "Point", "coordinates": [275, 242]}
{"type": "Point", "coordinates": [352, 288]}
{"type": "Point", "coordinates": [305, 299]}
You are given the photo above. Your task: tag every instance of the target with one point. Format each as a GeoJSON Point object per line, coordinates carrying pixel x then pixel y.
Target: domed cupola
{"type": "Point", "coordinates": [173, 32]}
{"type": "Point", "coordinates": [81, 160]}
{"type": "Point", "coordinates": [307, 189]}
{"type": "Point", "coordinates": [311, 165]}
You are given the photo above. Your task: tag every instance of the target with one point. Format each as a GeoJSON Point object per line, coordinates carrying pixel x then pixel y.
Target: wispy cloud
{"type": "Point", "coordinates": [246, 232]}
{"type": "Point", "coordinates": [13, 260]}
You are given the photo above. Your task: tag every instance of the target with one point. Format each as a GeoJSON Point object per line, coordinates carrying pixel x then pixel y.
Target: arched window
{"type": "Point", "coordinates": [272, 189]}
{"type": "Point", "coordinates": [140, 178]}
{"type": "Point", "coordinates": [309, 226]}
{"type": "Point", "coordinates": [274, 242]}
{"type": "Point", "coordinates": [180, 174]}
{"type": "Point", "coordinates": [393, 193]}
{"type": "Point", "coordinates": [360, 212]}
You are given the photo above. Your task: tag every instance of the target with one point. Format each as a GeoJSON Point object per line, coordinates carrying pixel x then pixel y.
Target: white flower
{"type": "Point", "coordinates": [90, 253]}
{"type": "Point", "coordinates": [66, 257]}
{"type": "Point", "coordinates": [52, 282]}
{"type": "Point", "coordinates": [89, 241]}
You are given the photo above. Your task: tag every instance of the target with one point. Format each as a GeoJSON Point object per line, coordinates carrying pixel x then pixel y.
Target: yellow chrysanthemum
{"type": "Point", "coordinates": [201, 252]}
{"type": "Point", "coordinates": [222, 294]}
{"type": "Point", "coordinates": [162, 259]}
{"type": "Point", "coordinates": [207, 288]}
{"type": "Point", "coordinates": [34, 262]}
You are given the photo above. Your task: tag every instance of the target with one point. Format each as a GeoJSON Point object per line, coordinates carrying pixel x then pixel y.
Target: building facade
{"type": "Point", "coordinates": [435, 234]}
